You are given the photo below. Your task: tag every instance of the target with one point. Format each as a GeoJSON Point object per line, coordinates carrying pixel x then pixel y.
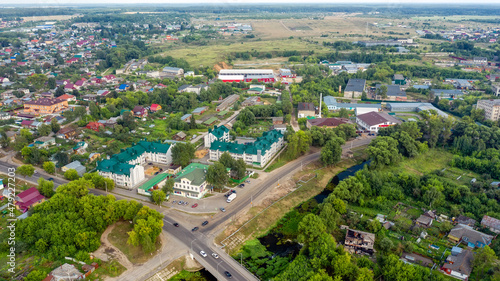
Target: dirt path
{"type": "Point", "coordinates": [107, 251]}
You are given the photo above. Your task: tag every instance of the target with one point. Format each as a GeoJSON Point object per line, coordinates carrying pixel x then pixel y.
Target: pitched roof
{"type": "Point", "coordinates": [491, 222]}
{"type": "Point", "coordinates": [329, 122]}
{"type": "Point", "coordinates": [45, 101]}
{"type": "Point", "coordinates": [154, 181]}
{"type": "Point", "coordinates": [306, 106]}
{"type": "Point", "coordinates": [65, 97]}
{"type": "Point", "coordinates": [462, 231]}
{"type": "Point", "coordinates": [194, 172]}
{"type": "Point", "coordinates": [393, 90]}
{"type": "Point", "coordinates": [28, 197]}
{"type": "Point", "coordinates": [356, 85]}
{"type": "Point", "coordinates": [375, 118]}
{"type": "Point", "coordinates": [262, 144]}
{"type": "Point", "coordinates": [461, 263]}
{"type": "Point", "coordinates": [218, 131]}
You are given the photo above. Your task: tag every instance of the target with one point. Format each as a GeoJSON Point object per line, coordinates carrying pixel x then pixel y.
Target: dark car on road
{"type": "Point", "coordinates": [228, 275]}
{"type": "Point", "coordinates": [50, 179]}
{"type": "Point", "coordinates": [195, 228]}
{"type": "Point", "coordinates": [204, 223]}
{"type": "Point", "coordinates": [176, 224]}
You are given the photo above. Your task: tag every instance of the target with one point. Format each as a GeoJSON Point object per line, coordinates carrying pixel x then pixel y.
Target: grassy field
{"type": "Point", "coordinates": [454, 18]}
{"type": "Point", "coordinates": [118, 237]}
{"type": "Point", "coordinates": [424, 163]}
{"type": "Point", "coordinates": [210, 55]}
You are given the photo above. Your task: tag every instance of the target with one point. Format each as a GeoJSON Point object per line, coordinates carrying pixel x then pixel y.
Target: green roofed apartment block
{"type": "Point", "coordinates": [153, 184]}
{"type": "Point", "coordinates": [257, 153]}
{"type": "Point", "coordinates": [218, 133]}
{"type": "Point", "coordinates": [191, 181]}
{"type": "Point", "coordinates": [126, 169]}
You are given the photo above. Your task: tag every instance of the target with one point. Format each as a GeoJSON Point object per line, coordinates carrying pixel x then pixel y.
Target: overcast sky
{"type": "Point", "coordinates": [39, 3]}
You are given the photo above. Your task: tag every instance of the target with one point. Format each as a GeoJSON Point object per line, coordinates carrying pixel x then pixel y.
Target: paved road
{"type": "Point", "coordinates": [197, 242]}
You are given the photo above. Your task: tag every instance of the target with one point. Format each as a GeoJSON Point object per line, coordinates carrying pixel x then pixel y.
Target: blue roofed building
{"type": "Point", "coordinates": [126, 169]}
{"type": "Point", "coordinates": [257, 153]}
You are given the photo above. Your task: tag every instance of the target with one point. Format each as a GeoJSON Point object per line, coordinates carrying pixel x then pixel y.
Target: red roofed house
{"type": "Point", "coordinates": [72, 60]}
{"type": "Point", "coordinates": [140, 111]}
{"type": "Point", "coordinates": [94, 126]}
{"type": "Point", "coordinates": [67, 97]}
{"type": "Point", "coordinates": [28, 198]}
{"type": "Point", "coordinates": [155, 107]}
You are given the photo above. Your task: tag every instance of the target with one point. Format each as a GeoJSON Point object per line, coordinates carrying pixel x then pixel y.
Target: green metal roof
{"type": "Point", "coordinates": [118, 162]}
{"type": "Point", "coordinates": [222, 113]}
{"type": "Point", "coordinates": [218, 131]}
{"type": "Point", "coordinates": [263, 143]}
{"type": "Point", "coordinates": [210, 121]}
{"type": "Point", "coordinates": [154, 181]}
{"type": "Point", "coordinates": [259, 89]}
{"type": "Point", "coordinates": [194, 172]}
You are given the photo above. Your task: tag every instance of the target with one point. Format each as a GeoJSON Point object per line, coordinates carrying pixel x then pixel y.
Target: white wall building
{"type": "Point", "coordinates": [372, 121]}
{"type": "Point", "coordinates": [218, 133]}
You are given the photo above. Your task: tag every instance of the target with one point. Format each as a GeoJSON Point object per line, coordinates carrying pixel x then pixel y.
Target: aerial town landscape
{"type": "Point", "coordinates": [231, 141]}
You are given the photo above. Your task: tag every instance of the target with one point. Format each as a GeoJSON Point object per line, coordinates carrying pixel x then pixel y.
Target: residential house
{"type": "Point", "coordinates": [80, 147]}
{"type": "Point", "coordinates": [65, 272]}
{"type": "Point", "coordinates": [155, 107]}
{"type": "Point", "coordinates": [67, 133]}
{"type": "Point", "coordinates": [76, 165]}
{"type": "Point", "coordinates": [279, 127]}
{"type": "Point", "coordinates": [359, 242]}
{"type": "Point", "coordinates": [326, 122]}
{"type": "Point", "coordinates": [459, 264]}
{"type": "Point", "coordinates": [28, 198]}
{"type": "Point", "coordinates": [44, 142]}
{"type": "Point", "coordinates": [126, 169]}
{"type": "Point", "coordinates": [45, 106]}
{"type": "Point", "coordinates": [306, 109]}
{"type": "Point", "coordinates": [426, 219]}
{"type": "Point", "coordinates": [495, 87]}
{"type": "Point", "coordinates": [192, 89]}
{"type": "Point", "coordinates": [465, 234]}
{"type": "Point", "coordinates": [94, 156]}
{"type": "Point", "coordinates": [465, 220]}
{"type": "Point", "coordinates": [67, 97]}
{"type": "Point", "coordinates": [399, 79]}
{"type": "Point", "coordinates": [258, 153]}
{"type": "Point", "coordinates": [186, 117]}
{"type": "Point", "coordinates": [416, 259]}
{"type": "Point", "coordinates": [180, 136]}
{"type": "Point", "coordinates": [140, 111]}
{"type": "Point", "coordinates": [277, 120]}
{"type": "Point", "coordinates": [94, 126]}
{"type": "Point", "coordinates": [191, 181]}
{"type": "Point", "coordinates": [354, 88]}
{"type": "Point", "coordinates": [372, 121]}
{"type": "Point", "coordinates": [218, 133]}
{"type": "Point", "coordinates": [492, 224]}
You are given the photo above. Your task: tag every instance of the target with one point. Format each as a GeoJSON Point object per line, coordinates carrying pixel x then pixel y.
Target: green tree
{"type": "Point", "coordinates": [217, 175]}
{"type": "Point", "coordinates": [182, 154]}
{"type": "Point", "coordinates": [331, 153]}
{"type": "Point", "coordinates": [51, 83]}
{"type": "Point", "coordinates": [44, 130]}
{"type": "Point", "coordinates": [168, 188]}
{"type": "Point", "coordinates": [49, 167]}
{"type": "Point", "coordinates": [383, 151]}
{"type": "Point", "coordinates": [226, 160]}
{"type": "Point", "coordinates": [26, 170]}
{"type": "Point", "coordinates": [71, 174]}
{"type": "Point", "coordinates": [46, 187]}
{"type": "Point", "coordinates": [37, 80]}
{"type": "Point", "coordinates": [343, 113]}
{"type": "Point", "coordinates": [310, 228]}
{"type": "Point", "coordinates": [77, 188]}
{"type": "Point", "coordinates": [4, 140]}
{"type": "Point", "coordinates": [59, 91]}
{"type": "Point", "coordinates": [484, 261]}
{"type": "Point", "coordinates": [158, 196]}
{"type": "Point", "coordinates": [36, 275]}
{"type": "Point", "coordinates": [382, 91]}
{"type": "Point", "coordinates": [239, 169]}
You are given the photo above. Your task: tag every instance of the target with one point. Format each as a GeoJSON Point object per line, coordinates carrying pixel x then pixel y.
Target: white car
{"type": "Point", "coordinates": [215, 255]}
{"type": "Point", "coordinates": [203, 254]}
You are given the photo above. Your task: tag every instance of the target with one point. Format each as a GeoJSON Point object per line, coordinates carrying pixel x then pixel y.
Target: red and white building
{"type": "Point", "coordinates": [246, 75]}
{"type": "Point", "coordinates": [373, 121]}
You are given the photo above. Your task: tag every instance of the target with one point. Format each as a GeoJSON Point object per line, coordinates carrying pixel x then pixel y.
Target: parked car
{"type": "Point", "coordinates": [150, 163]}
{"type": "Point", "coordinates": [176, 224]}
{"type": "Point", "coordinates": [194, 205]}
{"type": "Point", "coordinates": [185, 203]}
{"type": "Point", "coordinates": [215, 255]}
{"type": "Point", "coordinates": [247, 181]}
{"type": "Point", "coordinates": [203, 254]}
{"type": "Point", "coordinates": [228, 275]}
{"type": "Point", "coordinates": [222, 209]}
{"type": "Point", "coordinates": [181, 202]}
{"type": "Point", "coordinates": [195, 228]}
{"type": "Point", "coordinates": [204, 223]}
{"type": "Point", "coordinates": [50, 179]}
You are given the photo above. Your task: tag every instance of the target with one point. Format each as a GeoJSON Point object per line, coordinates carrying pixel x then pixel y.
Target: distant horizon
{"type": "Point", "coordinates": [52, 3]}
